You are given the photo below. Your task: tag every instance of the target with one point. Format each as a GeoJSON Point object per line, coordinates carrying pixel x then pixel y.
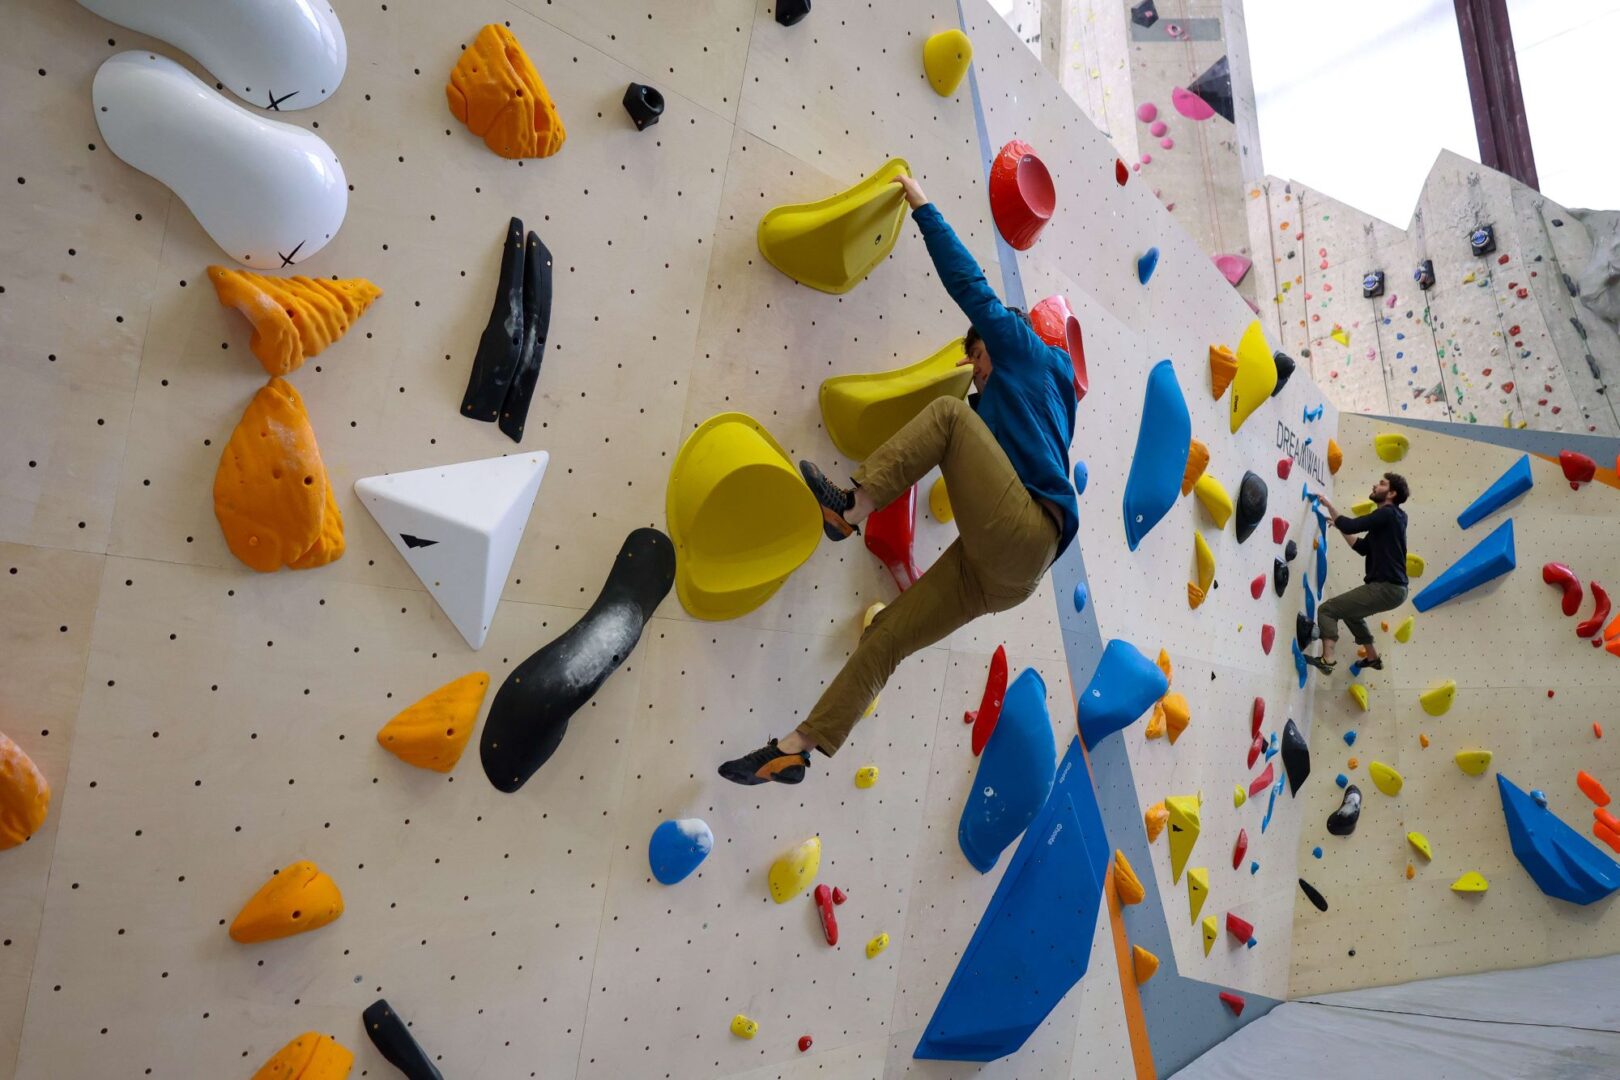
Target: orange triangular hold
{"type": "Point", "coordinates": [1156, 722]}
{"type": "Point", "coordinates": [1176, 714]}
{"type": "Point", "coordinates": [1197, 461]}
{"type": "Point", "coordinates": [1154, 820]}
{"type": "Point", "coordinates": [293, 318]}
{"type": "Point", "coordinates": [497, 93]}
{"type": "Point", "coordinates": [298, 899]}
{"type": "Point", "coordinates": [1145, 964]}
{"type": "Point", "coordinates": [271, 494]}
{"type": "Point", "coordinates": [432, 733]}
{"type": "Point", "coordinates": [1127, 886]}
{"type": "Point", "coordinates": [1222, 370]}
{"type": "Point", "coordinates": [311, 1056]}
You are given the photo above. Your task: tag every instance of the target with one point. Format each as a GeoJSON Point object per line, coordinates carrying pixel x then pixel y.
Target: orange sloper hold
{"type": "Point", "coordinates": [311, 1056]}
{"type": "Point", "coordinates": [1222, 370]}
{"type": "Point", "coordinates": [1127, 886]}
{"type": "Point", "coordinates": [1157, 722]}
{"type": "Point", "coordinates": [25, 797]}
{"type": "Point", "coordinates": [432, 733]}
{"type": "Point", "coordinates": [1164, 666]}
{"type": "Point", "coordinates": [1590, 786]}
{"type": "Point", "coordinates": [298, 899]}
{"type": "Point", "coordinates": [497, 93]}
{"type": "Point", "coordinates": [1176, 715]}
{"type": "Point", "coordinates": [1155, 819]}
{"type": "Point", "coordinates": [271, 494]}
{"type": "Point", "coordinates": [1143, 963]}
{"type": "Point", "coordinates": [1335, 458]}
{"type": "Point", "coordinates": [293, 318]}
{"type": "Point", "coordinates": [1197, 462]}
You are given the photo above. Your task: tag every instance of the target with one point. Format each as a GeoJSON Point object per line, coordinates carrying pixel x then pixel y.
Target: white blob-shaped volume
{"type": "Point", "coordinates": [270, 194]}
{"type": "Point", "coordinates": [276, 54]}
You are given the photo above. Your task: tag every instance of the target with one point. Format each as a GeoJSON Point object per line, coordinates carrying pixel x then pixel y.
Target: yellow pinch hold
{"type": "Point", "coordinates": [793, 872]}
{"type": "Point", "coordinates": [1341, 335]}
{"type": "Point", "coordinates": [877, 945]}
{"type": "Point", "coordinates": [1154, 819]}
{"type": "Point", "coordinates": [1215, 499]}
{"type": "Point", "coordinates": [1436, 700]}
{"type": "Point", "coordinates": [862, 412]}
{"type": "Point", "coordinates": [1204, 560]}
{"type": "Point", "coordinates": [1421, 844]}
{"type": "Point", "coordinates": [300, 898]}
{"type": "Point", "coordinates": [1358, 694]}
{"type": "Point", "coordinates": [495, 90]}
{"type": "Point", "coordinates": [833, 244]}
{"type": "Point", "coordinates": [1391, 446]}
{"type": "Point", "coordinates": [1127, 886]}
{"type": "Point", "coordinates": [1256, 375]}
{"type": "Point", "coordinates": [1239, 795]}
{"type": "Point", "coordinates": [939, 501]}
{"type": "Point", "coordinates": [311, 1056]}
{"type": "Point", "coordinates": [946, 56]}
{"type": "Point", "coordinates": [1182, 811]}
{"type": "Point", "coordinates": [1223, 367]}
{"type": "Point", "coordinates": [1415, 565]}
{"type": "Point", "coordinates": [1212, 931]}
{"type": "Point", "coordinates": [1197, 462]}
{"type": "Point", "coordinates": [1156, 722]}
{"type": "Point", "coordinates": [1403, 632]}
{"type": "Point", "coordinates": [1471, 882]}
{"type": "Point", "coordinates": [1473, 762]}
{"type": "Point", "coordinates": [1177, 715]}
{"type": "Point", "coordinates": [432, 733]}
{"type": "Point", "coordinates": [1143, 963]}
{"type": "Point", "coordinates": [1197, 890]}
{"type": "Point", "coordinates": [744, 1027]}
{"type": "Point", "coordinates": [866, 776]}
{"type": "Point", "coordinates": [1384, 778]}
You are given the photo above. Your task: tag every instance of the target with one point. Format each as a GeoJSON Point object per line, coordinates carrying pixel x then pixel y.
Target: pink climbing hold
{"type": "Point", "coordinates": [1233, 267]}
{"type": "Point", "coordinates": [1257, 716]}
{"type": "Point", "coordinates": [1147, 159]}
{"type": "Point", "coordinates": [989, 711]}
{"type": "Point", "coordinates": [1578, 468]}
{"type": "Point", "coordinates": [1268, 634]}
{"type": "Point", "coordinates": [1261, 782]}
{"type": "Point", "coordinates": [1256, 587]}
{"type": "Point", "coordinates": [1233, 1001]}
{"type": "Point", "coordinates": [1190, 105]}
{"type": "Point", "coordinates": [1147, 112]}
{"type": "Point", "coordinates": [1279, 530]}
{"type": "Point", "coordinates": [1240, 849]}
{"type": "Point", "coordinates": [1159, 128]}
{"type": "Point", "coordinates": [1168, 144]}
{"type": "Point", "coordinates": [1239, 927]}
{"type": "Point", "coordinates": [1555, 573]}
{"type": "Point", "coordinates": [890, 534]}
{"type": "Point", "coordinates": [1284, 467]}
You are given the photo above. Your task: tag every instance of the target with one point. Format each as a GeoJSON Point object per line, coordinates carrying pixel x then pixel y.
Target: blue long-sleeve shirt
{"type": "Point", "coordinates": [1028, 402]}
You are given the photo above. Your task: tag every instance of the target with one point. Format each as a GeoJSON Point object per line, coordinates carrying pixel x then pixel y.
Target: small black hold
{"type": "Point", "coordinates": [644, 104]}
{"type": "Point", "coordinates": [1372, 284]}
{"type": "Point", "coordinates": [1279, 576]}
{"type": "Point", "coordinates": [1569, 284]}
{"type": "Point", "coordinates": [1424, 275]}
{"type": "Point", "coordinates": [416, 541]}
{"type": "Point", "coordinates": [1316, 898]}
{"type": "Point", "coordinates": [1558, 223]}
{"type": "Point", "coordinates": [1304, 630]}
{"type": "Point", "coordinates": [1251, 505]}
{"type": "Point", "coordinates": [1290, 551]}
{"type": "Point", "coordinates": [1296, 757]}
{"type": "Point", "coordinates": [1482, 241]}
{"type": "Point", "coordinates": [1580, 328]}
{"type": "Point", "coordinates": [1285, 368]}
{"type": "Point", "coordinates": [789, 12]}
{"type": "Point", "coordinates": [1144, 14]}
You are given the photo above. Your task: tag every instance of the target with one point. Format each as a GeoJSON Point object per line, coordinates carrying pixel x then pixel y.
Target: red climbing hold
{"type": "Point", "coordinates": [890, 534]}
{"type": "Point", "coordinates": [1607, 835]}
{"type": "Point", "coordinates": [804, 1043]}
{"type": "Point", "coordinates": [1590, 626]}
{"type": "Point", "coordinates": [1279, 530]}
{"type": "Point", "coordinates": [1268, 633]}
{"type": "Point", "coordinates": [829, 921]}
{"type": "Point", "coordinates": [1121, 173]}
{"type": "Point", "coordinates": [838, 895]}
{"type": "Point", "coordinates": [1054, 323]}
{"type": "Point", "coordinates": [1256, 748]}
{"type": "Point", "coordinates": [1578, 468]}
{"type": "Point", "coordinates": [1284, 467]}
{"type": "Point", "coordinates": [1239, 927]}
{"type": "Point", "coordinates": [1240, 849]}
{"type": "Point", "coordinates": [1021, 194]}
{"type": "Point", "coordinates": [1233, 1001]}
{"type": "Point", "coordinates": [1256, 587]}
{"type": "Point", "coordinates": [1609, 820]}
{"type": "Point", "coordinates": [1261, 782]}
{"type": "Point", "coordinates": [1257, 716]}
{"type": "Point", "coordinates": [1556, 573]}
{"type": "Point", "coordinates": [989, 711]}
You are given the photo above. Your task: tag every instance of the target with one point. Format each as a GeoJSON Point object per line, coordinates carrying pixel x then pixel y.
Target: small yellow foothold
{"type": "Point", "coordinates": [1471, 882]}
{"type": "Point", "coordinates": [1341, 335]}
{"type": "Point", "coordinates": [1469, 278]}
{"type": "Point", "coordinates": [1239, 796]}
{"type": "Point", "coordinates": [1415, 565]}
{"type": "Point", "coordinates": [1144, 963]}
{"type": "Point", "coordinates": [1403, 632]}
{"type": "Point", "coordinates": [1437, 699]}
{"type": "Point", "coordinates": [743, 1027]}
{"type": "Point", "coordinates": [1473, 762]}
{"type": "Point", "coordinates": [1164, 666]}
{"type": "Point", "coordinates": [866, 776]}
{"type": "Point", "coordinates": [939, 502]}
{"type": "Point", "coordinates": [1421, 843]}
{"type": "Point", "coordinates": [1127, 886]}
{"type": "Point", "coordinates": [946, 56]}
{"type": "Point", "coordinates": [1212, 494]}
{"type": "Point", "coordinates": [1211, 931]}
{"type": "Point", "coordinates": [877, 945]}
{"type": "Point", "coordinates": [1385, 779]}
{"type": "Point", "coordinates": [872, 613]}
{"type": "Point", "coordinates": [1359, 694]}
{"type": "Point", "coordinates": [1197, 890]}
{"type": "Point", "coordinates": [792, 873]}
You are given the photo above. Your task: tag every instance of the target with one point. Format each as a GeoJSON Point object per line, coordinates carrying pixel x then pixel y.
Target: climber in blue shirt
{"type": "Point", "coordinates": [1004, 454]}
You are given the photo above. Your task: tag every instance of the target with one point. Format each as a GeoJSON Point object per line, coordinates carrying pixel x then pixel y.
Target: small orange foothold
{"type": "Point", "coordinates": [1354, 762]}
{"type": "Point", "coordinates": [1597, 730]}
{"type": "Point", "coordinates": [1594, 790]}
{"type": "Point", "coordinates": [1385, 626]}
{"type": "Point", "coordinates": [1411, 872]}
{"type": "Point", "coordinates": [1423, 740]}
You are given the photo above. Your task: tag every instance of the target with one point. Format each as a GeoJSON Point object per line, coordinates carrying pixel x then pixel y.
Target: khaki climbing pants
{"type": "Point", "coordinates": [1354, 607]}
{"type": "Point", "coordinates": [1006, 542]}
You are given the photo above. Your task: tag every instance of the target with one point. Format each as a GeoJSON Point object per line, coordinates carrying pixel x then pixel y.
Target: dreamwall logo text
{"type": "Point", "coordinates": [1304, 456]}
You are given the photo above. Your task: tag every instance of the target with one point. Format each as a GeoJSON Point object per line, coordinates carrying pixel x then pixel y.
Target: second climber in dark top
{"type": "Point", "coordinates": [1005, 459]}
{"type": "Point", "coordinates": [1383, 588]}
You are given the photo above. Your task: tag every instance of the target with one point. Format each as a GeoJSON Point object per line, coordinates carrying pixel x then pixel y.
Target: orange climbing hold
{"type": "Point", "coordinates": [1597, 730]}
{"type": "Point", "coordinates": [1607, 835]}
{"type": "Point", "coordinates": [432, 733]}
{"type": "Point", "coordinates": [1155, 819]}
{"type": "Point", "coordinates": [1177, 715]}
{"type": "Point", "coordinates": [1590, 786]}
{"type": "Point", "coordinates": [1127, 886]}
{"type": "Point", "coordinates": [1157, 722]}
{"type": "Point", "coordinates": [1197, 462]}
{"type": "Point", "coordinates": [1143, 963]}
{"type": "Point", "coordinates": [1222, 370]}
{"type": "Point", "coordinates": [293, 318]}
{"type": "Point", "coordinates": [25, 797]}
{"type": "Point", "coordinates": [1606, 819]}
{"type": "Point", "coordinates": [1335, 458]}
{"type": "Point", "coordinates": [311, 1056]}
{"type": "Point", "coordinates": [1423, 740]}
{"type": "Point", "coordinates": [497, 93]}
{"type": "Point", "coordinates": [298, 899]}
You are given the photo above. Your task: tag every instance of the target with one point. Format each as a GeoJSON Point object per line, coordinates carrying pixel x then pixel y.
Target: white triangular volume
{"type": "Point", "coordinates": [458, 527]}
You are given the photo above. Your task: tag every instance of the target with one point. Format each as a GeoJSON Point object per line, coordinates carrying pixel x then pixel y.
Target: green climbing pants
{"type": "Point", "coordinates": [1354, 607]}
{"type": "Point", "coordinates": [1006, 542]}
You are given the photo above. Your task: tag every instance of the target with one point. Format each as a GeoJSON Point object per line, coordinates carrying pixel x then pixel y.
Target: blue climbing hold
{"type": "Point", "coordinates": [677, 847]}
{"type": "Point", "coordinates": [1299, 658]}
{"type": "Point", "coordinates": [1034, 940]}
{"type": "Point", "coordinates": [1317, 852]}
{"type": "Point", "coordinates": [1509, 486]}
{"type": "Point", "coordinates": [1271, 747]}
{"type": "Point", "coordinates": [1081, 475]}
{"type": "Point", "coordinates": [1539, 797]}
{"type": "Point", "coordinates": [1271, 804]}
{"type": "Point", "coordinates": [1124, 685]}
{"type": "Point", "coordinates": [1310, 600]}
{"type": "Point", "coordinates": [1015, 774]}
{"type": "Point", "coordinates": [1321, 562]}
{"type": "Point", "coordinates": [1350, 737]}
{"type": "Point", "coordinates": [1081, 595]}
{"type": "Point", "coordinates": [1355, 668]}
{"type": "Point", "coordinates": [1342, 780]}
{"type": "Point", "coordinates": [1563, 863]}
{"type": "Point", "coordinates": [1252, 942]}
{"type": "Point", "coordinates": [1162, 443]}
{"type": "Point", "coordinates": [1254, 868]}
{"type": "Point", "coordinates": [1490, 559]}
{"type": "Point", "coordinates": [1148, 263]}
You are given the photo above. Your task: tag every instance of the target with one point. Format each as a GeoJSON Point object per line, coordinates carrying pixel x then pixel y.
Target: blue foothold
{"type": "Point", "coordinates": [1355, 668]}
{"type": "Point", "coordinates": [1539, 796]}
{"type": "Point", "coordinates": [1148, 263]}
{"type": "Point", "coordinates": [1254, 868]}
{"type": "Point", "coordinates": [1081, 475]}
{"type": "Point", "coordinates": [1350, 737]}
{"type": "Point", "coordinates": [1081, 595]}
{"type": "Point", "coordinates": [1342, 780]}
{"type": "Point", "coordinates": [1252, 942]}
{"type": "Point", "coordinates": [1317, 852]}
{"type": "Point", "coordinates": [677, 847]}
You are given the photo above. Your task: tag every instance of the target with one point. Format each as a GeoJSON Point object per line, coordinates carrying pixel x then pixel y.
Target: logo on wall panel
{"type": "Point", "coordinates": [1301, 451]}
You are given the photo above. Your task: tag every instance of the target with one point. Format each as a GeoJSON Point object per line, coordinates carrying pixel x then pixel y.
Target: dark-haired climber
{"type": "Point", "coordinates": [1384, 584]}
{"type": "Point", "coordinates": [1004, 454]}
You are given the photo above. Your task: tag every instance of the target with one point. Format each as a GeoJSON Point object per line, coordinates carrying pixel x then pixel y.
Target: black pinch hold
{"type": "Point", "coordinates": [536, 325]}
{"type": "Point", "coordinates": [395, 1042]}
{"type": "Point", "coordinates": [1285, 369]}
{"type": "Point", "coordinates": [498, 349]}
{"type": "Point", "coordinates": [532, 708]}
{"type": "Point", "coordinates": [1296, 757]}
{"type": "Point", "coordinates": [789, 12]}
{"type": "Point", "coordinates": [1279, 576]}
{"type": "Point", "coordinates": [1304, 630]}
{"type": "Point", "coordinates": [1312, 895]}
{"type": "Point", "coordinates": [644, 104]}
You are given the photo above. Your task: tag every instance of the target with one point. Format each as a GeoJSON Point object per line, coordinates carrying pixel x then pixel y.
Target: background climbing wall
{"type": "Point", "coordinates": [1528, 690]}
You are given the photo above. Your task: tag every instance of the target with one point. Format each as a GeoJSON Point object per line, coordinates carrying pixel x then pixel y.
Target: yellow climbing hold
{"type": "Point", "coordinates": [1363, 508]}
{"type": "Point", "coordinates": [946, 56]}
{"type": "Point", "coordinates": [1184, 827]}
{"type": "Point", "coordinates": [1421, 843]}
{"type": "Point", "coordinates": [877, 945]}
{"type": "Point", "coordinates": [833, 244]}
{"type": "Point", "coordinates": [792, 873]}
{"type": "Point", "coordinates": [1154, 819]}
{"type": "Point", "coordinates": [1239, 795]}
{"type": "Point", "coordinates": [1197, 462]}
{"type": "Point", "coordinates": [862, 412]}
{"type": "Point", "coordinates": [1164, 666]}
{"type": "Point", "coordinates": [1127, 886]}
{"type": "Point", "coordinates": [1384, 778]}
{"type": "Point", "coordinates": [1335, 457]}
{"type": "Point", "coordinates": [1358, 693]}
{"type": "Point", "coordinates": [1156, 722]}
{"type": "Point", "coordinates": [1177, 715]}
{"type": "Point", "coordinates": [866, 776]}
{"type": "Point", "coordinates": [1215, 499]}
{"type": "Point", "coordinates": [1222, 369]}
{"type": "Point", "coordinates": [1403, 632]}
{"type": "Point", "coordinates": [1471, 882]}
{"type": "Point", "coordinates": [432, 733]}
{"type": "Point", "coordinates": [1391, 446]}
{"type": "Point", "coordinates": [1436, 700]}
{"type": "Point", "coordinates": [1415, 565]}
{"type": "Point", "coordinates": [743, 1027]}
{"type": "Point", "coordinates": [1341, 335]}
{"type": "Point", "coordinates": [939, 501]}
{"type": "Point", "coordinates": [1469, 278]}
{"type": "Point", "coordinates": [311, 1056]}
{"type": "Point", "coordinates": [1256, 375]}
{"type": "Point", "coordinates": [1197, 890]}
{"type": "Point", "coordinates": [1144, 963]}
{"type": "Point", "coordinates": [1205, 559]}
{"type": "Point", "coordinates": [1473, 762]}
{"type": "Point", "coordinates": [1212, 931]}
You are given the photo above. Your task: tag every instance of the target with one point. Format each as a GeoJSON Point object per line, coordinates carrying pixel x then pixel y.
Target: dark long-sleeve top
{"type": "Point", "coordinates": [1028, 402]}
{"type": "Point", "coordinates": [1383, 546]}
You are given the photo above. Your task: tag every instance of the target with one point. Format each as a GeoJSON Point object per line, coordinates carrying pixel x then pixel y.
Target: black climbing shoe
{"type": "Point", "coordinates": [835, 502]}
{"type": "Point", "coordinates": [1376, 663]}
{"type": "Point", "coordinates": [1324, 666]}
{"type": "Point", "coordinates": [766, 764]}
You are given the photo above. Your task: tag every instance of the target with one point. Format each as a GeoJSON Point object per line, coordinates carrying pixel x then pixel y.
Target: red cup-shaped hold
{"type": "Point", "coordinates": [1056, 325]}
{"type": "Point", "coordinates": [1021, 195]}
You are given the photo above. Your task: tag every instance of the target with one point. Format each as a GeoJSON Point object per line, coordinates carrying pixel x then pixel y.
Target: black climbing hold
{"type": "Point", "coordinates": [507, 364]}
{"type": "Point", "coordinates": [1315, 898]}
{"type": "Point", "coordinates": [1304, 630]}
{"type": "Point", "coordinates": [1372, 284]}
{"type": "Point", "coordinates": [789, 12]}
{"type": "Point", "coordinates": [1580, 327]}
{"type": "Point", "coordinates": [1290, 551]}
{"type": "Point", "coordinates": [1342, 822]}
{"type": "Point", "coordinates": [536, 325]}
{"type": "Point", "coordinates": [1558, 223]}
{"type": "Point", "coordinates": [1215, 87]}
{"type": "Point", "coordinates": [1144, 14]}
{"type": "Point", "coordinates": [1279, 576]}
{"type": "Point", "coordinates": [644, 104]}
{"type": "Point", "coordinates": [1296, 757]}
{"type": "Point", "coordinates": [416, 541]}
{"type": "Point", "coordinates": [1285, 368]}
{"type": "Point", "coordinates": [1424, 275]}
{"type": "Point", "coordinates": [1251, 505]}
{"type": "Point", "coordinates": [1482, 241]}
{"type": "Point", "coordinates": [395, 1042]}
{"type": "Point", "coordinates": [532, 708]}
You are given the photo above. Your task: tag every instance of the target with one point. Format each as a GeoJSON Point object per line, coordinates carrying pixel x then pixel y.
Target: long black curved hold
{"type": "Point", "coordinates": [498, 349]}
{"type": "Point", "coordinates": [533, 706]}
{"type": "Point", "coordinates": [1312, 895]}
{"type": "Point", "coordinates": [395, 1042]}
{"type": "Point", "coordinates": [536, 325]}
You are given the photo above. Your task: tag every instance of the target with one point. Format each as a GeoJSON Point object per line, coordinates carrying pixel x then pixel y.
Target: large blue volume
{"type": "Point", "coordinates": [1014, 777]}
{"type": "Point", "coordinates": [1490, 559]}
{"type": "Point", "coordinates": [1162, 444]}
{"type": "Point", "coordinates": [1509, 486]}
{"type": "Point", "coordinates": [1034, 940]}
{"type": "Point", "coordinates": [1563, 863]}
{"type": "Point", "coordinates": [1123, 687]}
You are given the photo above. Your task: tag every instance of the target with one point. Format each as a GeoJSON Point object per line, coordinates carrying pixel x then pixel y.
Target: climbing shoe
{"type": "Point", "coordinates": [835, 503]}
{"type": "Point", "coordinates": [1376, 663]}
{"type": "Point", "coordinates": [766, 764]}
{"type": "Point", "coordinates": [1324, 666]}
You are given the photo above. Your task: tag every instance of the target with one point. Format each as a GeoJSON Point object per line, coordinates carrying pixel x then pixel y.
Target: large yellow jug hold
{"type": "Point", "coordinates": [792, 873]}
{"type": "Point", "coordinates": [1436, 700]}
{"type": "Point", "coordinates": [1256, 375]}
{"type": "Point", "coordinates": [946, 56]}
{"type": "Point", "coordinates": [1183, 811]}
{"type": "Point", "coordinates": [833, 244]}
{"type": "Point", "coordinates": [862, 412]}
{"type": "Point", "coordinates": [1391, 446]}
